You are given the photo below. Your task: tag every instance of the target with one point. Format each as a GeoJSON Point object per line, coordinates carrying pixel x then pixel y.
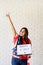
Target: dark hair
{"type": "Point", "coordinates": [26, 30]}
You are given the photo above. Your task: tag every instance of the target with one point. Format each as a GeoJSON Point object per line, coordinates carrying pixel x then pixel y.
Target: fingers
{"type": "Point", "coordinates": [8, 14]}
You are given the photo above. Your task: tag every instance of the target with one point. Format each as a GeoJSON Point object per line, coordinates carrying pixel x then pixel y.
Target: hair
{"type": "Point", "coordinates": [26, 30]}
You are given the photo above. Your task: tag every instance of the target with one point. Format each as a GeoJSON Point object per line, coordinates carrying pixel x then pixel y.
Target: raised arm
{"type": "Point", "coordinates": [11, 24]}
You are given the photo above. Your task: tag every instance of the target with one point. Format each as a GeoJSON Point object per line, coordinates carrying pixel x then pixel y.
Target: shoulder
{"type": "Point", "coordinates": [15, 38]}
{"type": "Point", "coordinates": [29, 41]}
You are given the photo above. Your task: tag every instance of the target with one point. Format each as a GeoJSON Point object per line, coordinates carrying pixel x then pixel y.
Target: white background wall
{"type": "Point", "coordinates": [27, 13]}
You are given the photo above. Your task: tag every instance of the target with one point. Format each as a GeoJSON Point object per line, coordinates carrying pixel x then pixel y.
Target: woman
{"type": "Point", "coordinates": [23, 35]}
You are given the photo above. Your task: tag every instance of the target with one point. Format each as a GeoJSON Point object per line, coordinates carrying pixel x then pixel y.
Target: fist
{"type": "Point", "coordinates": [8, 15]}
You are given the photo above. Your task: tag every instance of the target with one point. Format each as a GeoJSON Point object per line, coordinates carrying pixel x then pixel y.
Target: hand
{"type": "Point", "coordinates": [28, 57]}
{"type": "Point", "coordinates": [8, 15]}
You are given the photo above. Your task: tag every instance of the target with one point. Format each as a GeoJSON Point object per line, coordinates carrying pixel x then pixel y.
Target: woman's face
{"type": "Point", "coordinates": [22, 32]}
